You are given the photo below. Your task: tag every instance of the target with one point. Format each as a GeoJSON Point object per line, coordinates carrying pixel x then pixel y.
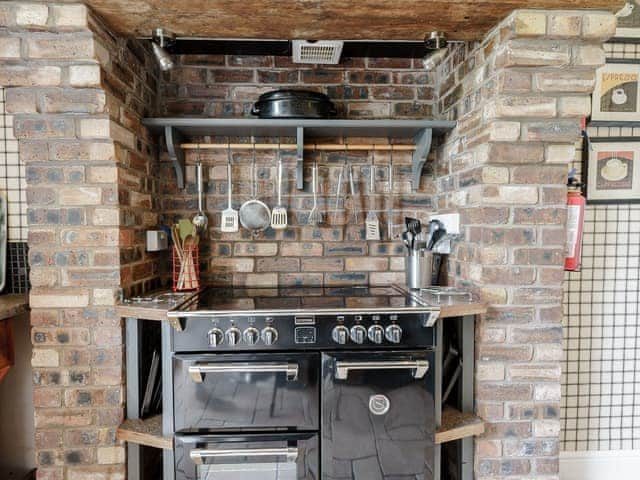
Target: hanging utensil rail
{"type": "Point", "coordinates": [334, 147]}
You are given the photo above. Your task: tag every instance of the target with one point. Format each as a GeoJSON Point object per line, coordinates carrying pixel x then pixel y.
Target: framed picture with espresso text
{"type": "Point", "coordinates": [616, 97]}
{"type": "Point", "coordinates": [612, 170]}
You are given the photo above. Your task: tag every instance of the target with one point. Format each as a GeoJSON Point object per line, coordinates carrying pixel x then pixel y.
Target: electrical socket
{"type": "Point", "coordinates": [451, 222]}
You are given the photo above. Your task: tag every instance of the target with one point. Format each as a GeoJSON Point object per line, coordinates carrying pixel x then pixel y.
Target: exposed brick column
{"type": "Point", "coordinates": [78, 94]}
{"type": "Point", "coordinates": [519, 97]}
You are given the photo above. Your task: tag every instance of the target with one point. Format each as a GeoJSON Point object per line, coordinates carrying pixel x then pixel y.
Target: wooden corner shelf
{"type": "Point", "coordinates": [146, 432]}
{"type": "Point", "coordinates": [457, 425]}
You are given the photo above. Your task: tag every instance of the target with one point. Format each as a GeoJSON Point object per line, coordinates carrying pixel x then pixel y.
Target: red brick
{"type": "Point", "coordinates": [516, 153]}
{"type": "Point", "coordinates": [504, 392]}
{"type": "Point", "coordinates": [505, 352]}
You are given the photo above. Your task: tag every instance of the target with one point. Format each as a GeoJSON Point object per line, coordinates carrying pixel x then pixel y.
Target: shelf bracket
{"type": "Point", "coordinates": [300, 158]}
{"type": "Point", "coordinates": [174, 138]}
{"type": "Point", "coordinates": [423, 146]}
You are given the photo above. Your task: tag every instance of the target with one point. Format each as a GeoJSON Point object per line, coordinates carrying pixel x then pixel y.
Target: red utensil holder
{"type": "Point", "coordinates": [186, 269]}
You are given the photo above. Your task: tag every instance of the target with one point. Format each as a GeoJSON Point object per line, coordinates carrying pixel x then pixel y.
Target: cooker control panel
{"type": "Point", "coordinates": [303, 332]}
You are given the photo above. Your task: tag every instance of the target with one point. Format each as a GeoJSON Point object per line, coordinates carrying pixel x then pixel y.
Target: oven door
{"type": "Point", "coordinates": [378, 415]}
{"type": "Point", "coordinates": [250, 391]}
{"type": "Point", "coordinates": [247, 457]}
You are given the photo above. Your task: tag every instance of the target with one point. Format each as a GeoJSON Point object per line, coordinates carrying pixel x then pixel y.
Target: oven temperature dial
{"type": "Point", "coordinates": [376, 333]}
{"type": "Point", "coordinates": [340, 334]}
{"type": "Point", "coordinates": [232, 336]}
{"type": "Point", "coordinates": [215, 337]}
{"type": "Point", "coordinates": [251, 336]}
{"type": "Point", "coordinates": [269, 335]}
{"type": "Point", "coordinates": [393, 333]}
{"type": "Point", "coordinates": [358, 334]}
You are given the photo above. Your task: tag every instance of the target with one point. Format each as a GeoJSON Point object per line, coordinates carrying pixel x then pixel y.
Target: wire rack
{"type": "Point", "coordinates": [600, 386]}
{"type": "Point", "coordinates": [13, 185]}
{"type": "Point", "coordinates": [12, 177]}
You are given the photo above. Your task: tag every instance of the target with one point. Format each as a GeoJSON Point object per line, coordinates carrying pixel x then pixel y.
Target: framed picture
{"type": "Point", "coordinates": [612, 170]}
{"type": "Point", "coordinates": [629, 21]}
{"type": "Point", "coordinates": [616, 97]}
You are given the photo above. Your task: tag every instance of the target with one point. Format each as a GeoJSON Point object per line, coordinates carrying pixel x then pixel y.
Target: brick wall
{"type": "Point", "coordinates": [518, 97]}
{"type": "Point", "coordinates": [78, 94]}
{"type": "Point", "coordinates": [220, 86]}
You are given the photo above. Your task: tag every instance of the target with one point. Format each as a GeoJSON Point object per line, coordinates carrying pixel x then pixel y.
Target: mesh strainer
{"type": "Point", "coordinates": [254, 214]}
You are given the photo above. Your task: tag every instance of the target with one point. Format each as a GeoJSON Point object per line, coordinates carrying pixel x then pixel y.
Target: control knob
{"type": "Point", "coordinates": [233, 336]}
{"type": "Point", "coordinates": [251, 336]}
{"type": "Point", "coordinates": [215, 337]}
{"type": "Point", "coordinates": [393, 333]}
{"type": "Point", "coordinates": [358, 334]}
{"type": "Point", "coordinates": [340, 334]}
{"type": "Point", "coordinates": [376, 333]}
{"type": "Point", "coordinates": [269, 335]}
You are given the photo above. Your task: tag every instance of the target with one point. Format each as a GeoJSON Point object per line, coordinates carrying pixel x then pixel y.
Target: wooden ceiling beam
{"type": "Point", "coordinates": [322, 19]}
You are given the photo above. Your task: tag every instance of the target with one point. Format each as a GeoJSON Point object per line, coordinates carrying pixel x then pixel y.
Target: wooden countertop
{"type": "Point", "coordinates": [460, 309]}
{"type": "Point", "coordinates": [13, 305]}
{"type": "Point", "coordinates": [145, 432]}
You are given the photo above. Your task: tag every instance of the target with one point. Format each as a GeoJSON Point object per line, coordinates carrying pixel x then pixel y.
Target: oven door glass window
{"type": "Point", "coordinates": [250, 391]}
{"type": "Point", "coordinates": [378, 415]}
{"type": "Point", "coordinates": [248, 457]}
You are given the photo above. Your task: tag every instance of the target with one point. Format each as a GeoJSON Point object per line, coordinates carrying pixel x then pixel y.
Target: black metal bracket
{"type": "Point", "coordinates": [423, 146]}
{"type": "Point", "coordinates": [174, 138]}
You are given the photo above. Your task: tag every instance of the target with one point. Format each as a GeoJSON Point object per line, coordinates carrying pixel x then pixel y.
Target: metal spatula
{"type": "Point", "coordinates": [279, 213]}
{"type": "Point", "coordinates": [229, 215]}
{"type": "Point", "coordinates": [371, 223]}
{"type": "Point", "coordinates": [315, 216]}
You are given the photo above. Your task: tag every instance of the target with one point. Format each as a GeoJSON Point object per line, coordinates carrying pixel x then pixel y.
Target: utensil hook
{"type": "Point", "coordinates": [279, 173]}
{"type": "Point", "coordinates": [390, 212]}
{"type": "Point", "coordinates": [254, 176]}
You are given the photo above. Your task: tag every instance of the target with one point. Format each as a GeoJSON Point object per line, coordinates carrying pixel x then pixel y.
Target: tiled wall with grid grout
{"type": "Point", "coordinates": [12, 177]}
{"type": "Point", "coordinates": [601, 383]}
{"type": "Point", "coordinates": [13, 187]}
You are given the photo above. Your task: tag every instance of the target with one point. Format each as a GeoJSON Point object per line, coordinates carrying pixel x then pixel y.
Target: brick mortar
{"type": "Point", "coordinates": [78, 349]}
{"type": "Point", "coordinates": [521, 407]}
{"type": "Point", "coordinates": [90, 184]}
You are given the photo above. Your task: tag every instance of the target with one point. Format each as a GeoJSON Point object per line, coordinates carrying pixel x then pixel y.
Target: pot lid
{"type": "Point", "coordinates": [287, 94]}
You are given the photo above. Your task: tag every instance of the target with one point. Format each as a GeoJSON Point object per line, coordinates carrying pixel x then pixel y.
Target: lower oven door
{"type": "Point", "coordinates": [249, 391]}
{"type": "Point", "coordinates": [247, 457]}
{"type": "Point", "coordinates": [378, 416]}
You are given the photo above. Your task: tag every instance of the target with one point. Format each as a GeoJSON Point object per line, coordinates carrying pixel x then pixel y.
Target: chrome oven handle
{"type": "Point", "coordinates": [289, 453]}
{"type": "Point", "coordinates": [198, 371]}
{"type": "Point", "coordinates": [421, 367]}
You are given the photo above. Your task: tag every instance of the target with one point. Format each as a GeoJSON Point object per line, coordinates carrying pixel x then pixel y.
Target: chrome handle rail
{"type": "Point", "coordinates": [420, 366]}
{"type": "Point", "coordinates": [198, 371]}
{"type": "Point", "coordinates": [199, 455]}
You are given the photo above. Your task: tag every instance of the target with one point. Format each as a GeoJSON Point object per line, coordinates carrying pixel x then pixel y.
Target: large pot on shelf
{"type": "Point", "coordinates": [293, 104]}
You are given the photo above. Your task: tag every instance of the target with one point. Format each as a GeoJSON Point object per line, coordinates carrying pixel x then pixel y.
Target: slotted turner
{"type": "Point", "coordinates": [229, 215]}
{"type": "Point", "coordinates": [279, 213]}
{"type": "Point", "coordinates": [315, 216]}
{"type": "Point", "coordinates": [372, 224]}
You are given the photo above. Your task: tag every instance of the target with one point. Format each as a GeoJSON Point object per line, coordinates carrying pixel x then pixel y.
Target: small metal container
{"type": "Point", "coordinates": [418, 268]}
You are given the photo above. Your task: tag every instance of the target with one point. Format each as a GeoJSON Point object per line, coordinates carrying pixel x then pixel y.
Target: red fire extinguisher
{"type": "Point", "coordinates": [575, 221]}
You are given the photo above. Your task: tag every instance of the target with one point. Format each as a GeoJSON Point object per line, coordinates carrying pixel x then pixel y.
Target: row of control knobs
{"type": "Point", "coordinates": [234, 336]}
{"type": "Point", "coordinates": [358, 333]}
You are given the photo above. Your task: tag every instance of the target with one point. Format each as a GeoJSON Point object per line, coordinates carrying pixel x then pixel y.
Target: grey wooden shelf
{"type": "Point", "coordinates": [175, 130]}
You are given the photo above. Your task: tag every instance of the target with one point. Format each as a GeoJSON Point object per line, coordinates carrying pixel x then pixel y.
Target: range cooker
{"type": "Point", "coordinates": [304, 384]}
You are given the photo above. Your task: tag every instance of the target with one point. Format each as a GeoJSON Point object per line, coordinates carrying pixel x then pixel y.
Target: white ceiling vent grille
{"type": "Point", "coordinates": [321, 51]}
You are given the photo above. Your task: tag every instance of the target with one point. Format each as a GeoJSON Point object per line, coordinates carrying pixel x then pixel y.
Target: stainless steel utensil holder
{"type": "Point", "coordinates": [418, 269]}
